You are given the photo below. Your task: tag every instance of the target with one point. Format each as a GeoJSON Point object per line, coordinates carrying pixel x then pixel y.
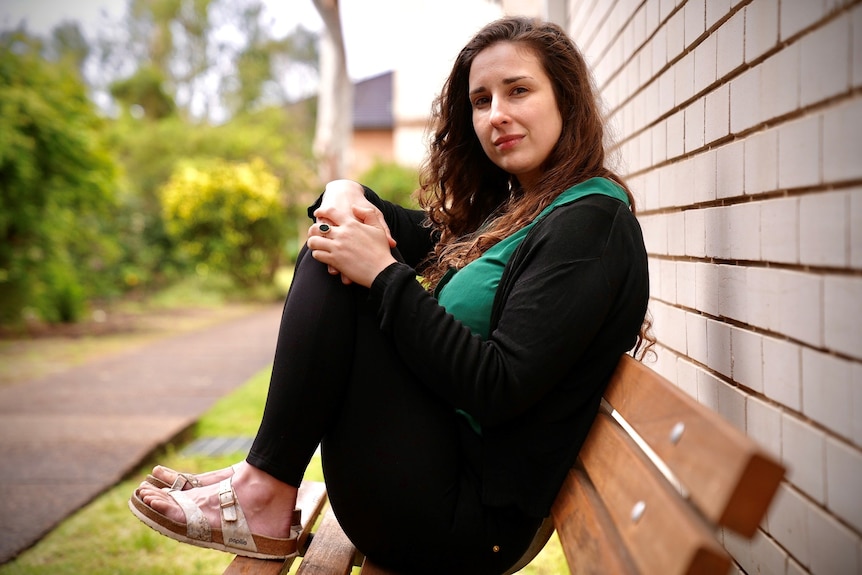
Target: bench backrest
{"type": "Point", "coordinates": [656, 480]}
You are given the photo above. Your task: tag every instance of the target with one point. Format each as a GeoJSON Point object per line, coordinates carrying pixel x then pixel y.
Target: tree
{"type": "Point", "coordinates": [335, 97]}
{"type": "Point", "coordinates": [57, 184]}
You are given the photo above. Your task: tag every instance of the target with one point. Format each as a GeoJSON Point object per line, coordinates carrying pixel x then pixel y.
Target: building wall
{"type": "Point", "coordinates": [739, 126]}
{"type": "Point", "coordinates": [370, 147]}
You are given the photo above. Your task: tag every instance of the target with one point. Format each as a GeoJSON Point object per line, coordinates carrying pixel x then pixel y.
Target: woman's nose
{"type": "Point", "coordinates": [499, 113]}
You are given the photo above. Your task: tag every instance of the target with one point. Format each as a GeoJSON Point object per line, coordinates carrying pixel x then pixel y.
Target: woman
{"type": "Point", "coordinates": [448, 410]}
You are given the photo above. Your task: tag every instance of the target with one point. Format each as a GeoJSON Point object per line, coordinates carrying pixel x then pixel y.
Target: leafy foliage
{"type": "Point", "coordinates": [228, 217]}
{"type": "Point", "coordinates": [392, 182]}
{"type": "Point", "coordinates": [57, 184]}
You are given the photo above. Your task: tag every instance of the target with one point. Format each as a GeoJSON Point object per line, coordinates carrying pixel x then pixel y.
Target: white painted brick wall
{"type": "Point", "coordinates": [742, 138]}
{"type": "Point", "coordinates": [825, 61]}
{"type": "Point", "coordinates": [823, 229]}
{"type": "Point", "coordinates": [843, 464]}
{"type": "Point", "coordinates": [761, 28]}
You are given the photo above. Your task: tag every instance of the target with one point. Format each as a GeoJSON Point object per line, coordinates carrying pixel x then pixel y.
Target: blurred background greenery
{"type": "Point", "coordinates": [138, 159]}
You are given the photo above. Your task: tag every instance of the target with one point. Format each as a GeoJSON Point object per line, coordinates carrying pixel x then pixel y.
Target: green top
{"type": "Point", "coordinates": [468, 294]}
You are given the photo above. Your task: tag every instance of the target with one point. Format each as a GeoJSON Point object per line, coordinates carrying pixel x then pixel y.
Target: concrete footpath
{"type": "Point", "coordinates": [66, 438]}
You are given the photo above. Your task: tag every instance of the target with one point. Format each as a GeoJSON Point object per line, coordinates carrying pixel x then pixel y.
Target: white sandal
{"type": "Point", "coordinates": [234, 535]}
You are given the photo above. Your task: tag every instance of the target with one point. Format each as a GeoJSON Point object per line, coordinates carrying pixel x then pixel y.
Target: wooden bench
{"type": "Point", "coordinates": [658, 479]}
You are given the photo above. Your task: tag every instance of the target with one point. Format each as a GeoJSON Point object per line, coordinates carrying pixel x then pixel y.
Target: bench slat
{"type": "Point", "coordinates": [668, 537]}
{"type": "Point", "coordinates": [310, 499]}
{"type": "Point", "coordinates": [330, 551]}
{"type": "Point", "coordinates": [728, 477]}
{"type": "Point", "coordinates": [589, 540]}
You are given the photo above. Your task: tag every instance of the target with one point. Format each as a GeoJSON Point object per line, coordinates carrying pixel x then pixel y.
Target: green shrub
{"type": "Point", "coordinates": [392, 182]}
{"type": "Point", "coordinates": [227, 216]}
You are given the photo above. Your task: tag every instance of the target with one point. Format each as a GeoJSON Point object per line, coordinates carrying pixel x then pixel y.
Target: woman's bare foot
{"type": "Point", "coordinates": [169, 476]}
{"type": "Point", "coordinates": [267, 502]}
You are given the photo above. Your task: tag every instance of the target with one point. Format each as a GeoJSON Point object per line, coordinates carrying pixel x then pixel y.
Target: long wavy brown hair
{"type": "Point", "coordinates": [473, 203]}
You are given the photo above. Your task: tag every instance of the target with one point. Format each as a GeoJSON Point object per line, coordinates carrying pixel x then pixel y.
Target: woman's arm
{"type": "Point", "coordinates": [572, 294]}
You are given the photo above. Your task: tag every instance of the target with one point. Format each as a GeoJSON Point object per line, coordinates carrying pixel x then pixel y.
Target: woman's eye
{"type": "Point", "coordinates": [519, 90]}
{"type": "Point", "coordinates": [479, 102]}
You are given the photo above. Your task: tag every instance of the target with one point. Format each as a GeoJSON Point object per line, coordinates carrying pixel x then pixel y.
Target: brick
{"type": "Point", "coordinates": [788, 522]}
{"type": "Point", "coordinates": [794, 568]}
{"type": "Point", "coordinates": [717, 116]}
{"type": "Point", "coordinates": [856, 402]}
{"type": "Point", "coordinates": [695, 20]}
{"type": "Point", "coordinates": [843, 308]}
{"type": "Point", "coordinates": [651, 14]}
{"type": "Point", "coordinates": [730, 170]}
{"type": "Point", "coordinates": [666, 90]}
{"type": "Point", "coordinates": [799, 153]}
{"type": "Point", "coordinates": [704, 63]}
{"type": "Point", "coordinates": [761, 162]}
{"type": "Point", "coordinates": [739, 548]}
{"type": "Point", "coordinates": [676, 321]}
{"type": "Point", "coordinates": [684, 187]}
{"type": "Point", "coordinates": [747, 358]}
{"type": "Point", "coordinates": [762, 290]}
{"type": "Point", "coordinates": [856, 46]}
{"type": "Point", "coordinates": [833, 546]}
{"type": "Point", "coordinates": [695, 234]}
{"type": "Point", "coordinates": [676, 234]}
{"type": "Point", "coordinates": [779, 83]}
{"type": "Point", "coordinates": [761, 28]}
{"type": "Point", "coordinates": [686, 292]}
{"type": "Point", "coordinates": [707, 389]}
{"type": "Point", "coordinates": [732, 292]}
{"type": "Point", "coordinates": [797, 16]}
{"type": "Point", "coordinates": [659, 50]}
{"type": "Point", "coordinates": [779, 230]}
{"type": "Point", "coordinates": [706, 284]}
{"type": "Point", "coordinates": [667, 279]}
{"type": "Point", "coordinates": [675, 35]}
{"type": "Point", "coordinates": [827, 394]}
{"type": "Point", "coordinates": [804, 454]}
{"type": "Point", "coordinates": [823, 231]}
{"type": "Point", "coordinates": [744, 231]}
{"type": "Point", "coordinates": [667, 182]}
{"type": "Point", "coordinates": [687, 377]}
{"type": "Point", "coordinates": [658, 133]}
{"type": "Point", "coordinates": [694, 125]}
{"type": "Point", "coordinates": [745, 110]}
{"type": "Point", "coordinates": [718, 348]}
{"type": "Point", "coordinates": [730, 45]}
{"type": "Point", "coordinates": [705, 175]}
{"type": "Point", "coordinates": [842, 141]}
{"type": "Point", "coordinates": [856, 227]}
{"type": "Point", "coordinates": [767, 557]}
{"type": "Point", "coordinates": [843, 476]}
{"type": "Point", "coordinates": [763, 425]}
{"type": "Point", "coordinates": [715, 11]}
{"type": "Point", "coordinates": [825, 62]}
{"type": "Point", "coordinates": [654, 278]}
{"type": "Point", "coordinates": [655, 234]}
{"type": "Point", "coordinates": [695, 338]}
{"type": "Point", "coordinates": [684, 79]}
{"type": "Point", "coordinates": [798, 306]}
{"type": "Point", "coordinates": [781, 372]}
{"type": "Point", "coordinates": [717, 229]}
{"type": "Point", "coordinates": [676, 135]}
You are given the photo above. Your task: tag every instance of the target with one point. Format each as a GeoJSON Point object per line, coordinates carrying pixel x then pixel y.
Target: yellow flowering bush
{"type": "Point", "coordinates": [228, 216]}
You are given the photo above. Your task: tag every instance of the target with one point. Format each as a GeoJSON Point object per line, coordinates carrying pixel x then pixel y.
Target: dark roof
{"type": "Point", "coordinates": [372, 103]}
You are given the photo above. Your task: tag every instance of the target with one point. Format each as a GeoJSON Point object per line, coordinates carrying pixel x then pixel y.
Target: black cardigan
{"type": "Point", "coordinates": [571, 300]}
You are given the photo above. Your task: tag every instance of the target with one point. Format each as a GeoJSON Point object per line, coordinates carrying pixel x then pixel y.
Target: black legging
{"type": "Point", "coordinates": [401, 466]}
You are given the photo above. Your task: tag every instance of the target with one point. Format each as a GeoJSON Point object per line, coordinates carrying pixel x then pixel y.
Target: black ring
{"type": "Point", "coordinates": [324, 228]}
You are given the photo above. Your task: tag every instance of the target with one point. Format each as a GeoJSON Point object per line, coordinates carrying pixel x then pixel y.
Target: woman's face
{"type": "Point", "coordinates": [515, 113]}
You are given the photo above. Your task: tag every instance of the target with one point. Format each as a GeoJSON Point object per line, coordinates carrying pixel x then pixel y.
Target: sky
{"type": "Point", "coordinates": [368, 35]}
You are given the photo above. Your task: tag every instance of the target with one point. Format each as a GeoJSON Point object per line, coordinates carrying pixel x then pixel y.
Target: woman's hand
{"type": "Point", "coordinates": [357, 247]}
{"type": "Point", "coordinates": [336, 206]}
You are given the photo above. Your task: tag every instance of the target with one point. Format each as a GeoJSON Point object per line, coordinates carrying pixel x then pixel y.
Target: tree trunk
{"type": "Point", "coordinates": [334, 128]}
